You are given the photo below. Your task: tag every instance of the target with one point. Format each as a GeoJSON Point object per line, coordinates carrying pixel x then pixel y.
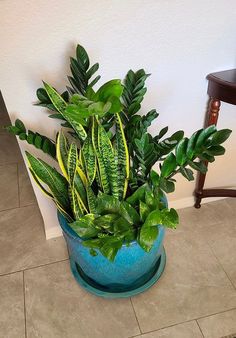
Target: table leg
{"type": "Point", "coordinates": [212, 117]}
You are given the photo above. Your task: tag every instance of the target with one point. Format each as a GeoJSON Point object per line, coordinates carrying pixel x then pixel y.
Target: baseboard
{"type": "Point", "coordinates": [189, 202]}
{"type": "Point", "coordinates": [53, 232]}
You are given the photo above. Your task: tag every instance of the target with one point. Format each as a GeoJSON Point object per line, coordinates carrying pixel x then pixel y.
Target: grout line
{"type": "Point", "coordinates": [199, 328]}
{"type": "Point", "coordinates": [186, 321]}
{"type": "Point", "coordinates": [20, 207]}
{"type": "Point", "coordinates": [234, 287]}
{"type": "Point", "coordinates": [33, 267]}
{"type": "Point", "coordinates": [24, 304]}
{"type": "Point", "coordinates": [135, 315]}
{"type": "Point", "coordinates": [18, 184]}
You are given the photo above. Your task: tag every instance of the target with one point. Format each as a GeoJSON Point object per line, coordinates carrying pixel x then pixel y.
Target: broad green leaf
{"type": "Point", "coordinates": [155, 178]}
{"type": "Point", "coordinates": [121, 225]}
{"type": "Point", "coordinates": [170, 218]}
{"type": "Point", "coordinates": [180, 151]}
{"type": "Point", "coordinates": [187, 173]}
{"type": "Point", "coordinates": [144, 211]}
{"type": "Point", "coordinates": [147, 237]}
{"type": "Point", "coordinates": [192, 144]}
{"type": "Point", "coordinates": [215, 150]}
{"type": "Point", "coordinates": [199, 166]}
{"type": "Point", "coordinates": [153, 219]}
{"type": "Point", "coordinates": [110, 88]}
{"type": "Point", "coordinates": [107, 205]}
{"type": "Point", "coordinates": [220, 136]}
{"type": "Point", "coordinates": [169, 165]}
{"type": "Point", "coordinates": [129, 213]}
{"type": "Point", "coordinates": [166, 185]}
{"type": "Point", "coordinates": [110, 247]}
{"type": "Point", "coordinates": [138, 195]}
{"type": "Point", "coordinates": [106, 222]}
{"type": "Point", "coordinates": [203, 136]}
{"type": "Point", "coordinates": [84, 227]}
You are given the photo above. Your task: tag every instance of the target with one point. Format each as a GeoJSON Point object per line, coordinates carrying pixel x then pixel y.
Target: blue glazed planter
{"type": "Point", "coordinates": [132, 272]}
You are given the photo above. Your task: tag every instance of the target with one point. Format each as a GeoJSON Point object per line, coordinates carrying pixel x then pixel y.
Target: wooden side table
{"type": "Point", "coordinates": [221, 87]}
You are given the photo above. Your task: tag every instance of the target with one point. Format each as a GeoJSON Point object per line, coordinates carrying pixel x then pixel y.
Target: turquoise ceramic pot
{"type": "Point", "coordinates": [132, 271]}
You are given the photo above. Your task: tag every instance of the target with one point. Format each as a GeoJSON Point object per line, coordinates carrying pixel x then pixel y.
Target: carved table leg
{"type": "Point", "coordinates": [212, 117]}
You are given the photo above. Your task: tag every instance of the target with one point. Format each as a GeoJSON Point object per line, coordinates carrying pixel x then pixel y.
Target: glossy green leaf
{"type": "Point", "coordinates": [147, 237]}
{"type": "Point", "coordinates": [187, 173]}
{"type": "Point", "coordinates": [180, 151]}
{"type": "Point", "coordinates": [169, 165]}
{"type": "Point", "coordinates": [220, 136]}
{"type": "Point", "coordinates": [84, 227]}
{"type": "Point", "coordinates": [144, 211]}
{"type": "Point", "coordinates": [129, 213]}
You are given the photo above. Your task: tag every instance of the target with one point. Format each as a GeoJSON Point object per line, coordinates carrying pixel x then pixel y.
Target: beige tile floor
{"type": "Point", "coordinates": [196, 296]}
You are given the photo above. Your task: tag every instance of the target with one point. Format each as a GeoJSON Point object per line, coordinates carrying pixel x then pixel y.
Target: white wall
{"type": "Point", "coordinates": [178, 41]}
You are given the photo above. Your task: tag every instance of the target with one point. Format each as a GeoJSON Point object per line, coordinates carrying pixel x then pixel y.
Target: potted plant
{"type": "Point", "coordinates": [111, 202]}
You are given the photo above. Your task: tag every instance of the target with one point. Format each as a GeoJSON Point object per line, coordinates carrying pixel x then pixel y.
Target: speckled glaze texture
{"type": "Point", "coordinates": [131, 268]}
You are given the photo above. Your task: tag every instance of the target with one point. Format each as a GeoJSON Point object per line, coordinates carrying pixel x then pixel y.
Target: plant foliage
{"type": "Point", "coordinates": [113, 172]}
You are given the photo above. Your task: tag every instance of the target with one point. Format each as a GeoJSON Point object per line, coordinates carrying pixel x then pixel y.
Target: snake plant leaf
{"type": "Point", "coordinates": [91, 199]}
{"type": "Point", "coordinates": [62, 149]}
{"type": "Point", "coordinates": [169, 165]}
{"type": "Point", "coordinates": [102, 169]}
{"type": "Point", "coordinates": [180, 151]}
{"type": "Point", "coordinates": [50, 176]}
{"type": "Point", "coordinates": [129, 213]}
{"type": "Point", "coordinates": [41, 187]}
{"type": "Point", "coordinates": [144, 211]}
{"type": "Point", "coordinates": [84, 227]}
{"type": "Point", "coordinates": [220, 136]}
{"type": "Point", "coordinates": [64, 213]}
{"type": "Point", "coordinates": [81, 188]}
{"type": "Point", "coordinates": [107, 204]}
{"type": "Point", "coordinates": [61, 106]}
{"type": "Point", "coordinates": [122, 155]}
{"type": "Point", "coordinates": [89, 158]}
{"type": "Point", "coordinates": [72, 163]}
